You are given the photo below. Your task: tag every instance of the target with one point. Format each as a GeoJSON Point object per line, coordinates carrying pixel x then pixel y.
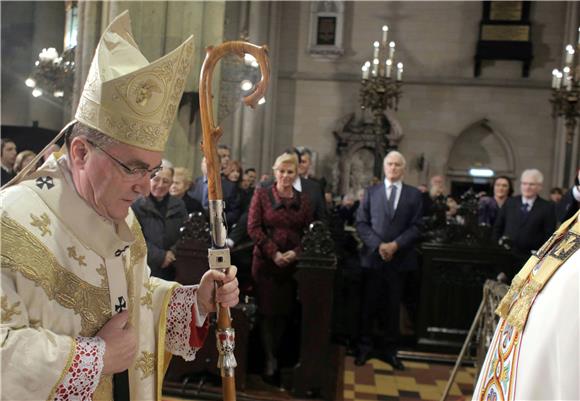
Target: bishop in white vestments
{"type": "Point", "coordinates": [78, 303]}
{"type": "Point", "coordinates": [535, 353]}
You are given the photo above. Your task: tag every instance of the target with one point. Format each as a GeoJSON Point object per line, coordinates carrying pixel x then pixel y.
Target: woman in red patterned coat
{"type": "Point", "coordinates": [277, 219]}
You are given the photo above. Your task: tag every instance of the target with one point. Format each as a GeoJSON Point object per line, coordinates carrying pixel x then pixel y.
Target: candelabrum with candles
{"type": "Point", "coordinates": [565, 95]}
{"type": "Point", "coordinates": [53, 74]}
{"type": "Point", "coordinates": [566, 90]}
{"type": "Point", "coordinates": [381, 77]}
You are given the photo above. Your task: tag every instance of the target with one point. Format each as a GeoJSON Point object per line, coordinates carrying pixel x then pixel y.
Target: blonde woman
{"type": "Point", "coordinates": [277, 218]}
{"type": "Point", "coordinates": [22, 160]}
{"type": "Point", "coordinates": [179, 187]}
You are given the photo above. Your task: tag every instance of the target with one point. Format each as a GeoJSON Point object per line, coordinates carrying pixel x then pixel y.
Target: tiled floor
{"type": "Point", "coordinates": [378, 381]}
{"type": "Point", "coordinates": [419, 381]}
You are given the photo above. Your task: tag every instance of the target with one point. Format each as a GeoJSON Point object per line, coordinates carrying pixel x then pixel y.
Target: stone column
{"type": "Point", "coordinates": [257, 132]}
{"type": "Point", "coordinates": [89, 32]}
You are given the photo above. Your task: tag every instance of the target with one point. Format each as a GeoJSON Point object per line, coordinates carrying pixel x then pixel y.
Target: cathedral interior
{"type": "Point", "coordinates": [467, 91]}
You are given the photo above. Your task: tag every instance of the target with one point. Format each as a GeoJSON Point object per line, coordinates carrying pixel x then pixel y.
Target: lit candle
{"type": "Point", "coordinates": [391, 49]}
{"type": "Point", "coordinates": [375, 67]}
{"type": "Point", "coordinates": [376, 51]}
{"type": "Point", "coordinates": [554, 78]}
{"type": "Point", "coordinates": [565, 75]}
{"type": "Point", "coordinates": [386, 32]}
{"type": "Point", "coordinates": [569, 54]}
{"type": "Point", "coordinates": [578, 36]}
{"type": "Point", "coordinates": [559, 80]}
{"type": "Point", "coordinates": [400, 72]}
{"type": "Point", "coordinates": [388, 67]}
{"type": "Point", "coordinates": [365, 72]}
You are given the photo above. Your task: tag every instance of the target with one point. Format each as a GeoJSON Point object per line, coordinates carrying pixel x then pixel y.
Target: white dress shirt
{"type": "Point", "coordinates": [399, 186]}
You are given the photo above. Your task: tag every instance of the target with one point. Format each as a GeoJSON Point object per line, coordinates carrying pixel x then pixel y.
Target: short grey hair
{"type": "Point", "coordinates": [395, 153]}
{"type": "Point", "coordinates": [96, 137]}
{"type": "Point", "coordinates": [533, 172]}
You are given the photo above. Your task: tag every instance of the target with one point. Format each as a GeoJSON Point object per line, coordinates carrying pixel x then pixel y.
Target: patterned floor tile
{"type": "Point", "coordinates": [419, 381]}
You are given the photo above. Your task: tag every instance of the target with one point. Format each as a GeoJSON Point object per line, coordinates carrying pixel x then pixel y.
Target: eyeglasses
{"type": "Point", "coordinates": [132, 173]}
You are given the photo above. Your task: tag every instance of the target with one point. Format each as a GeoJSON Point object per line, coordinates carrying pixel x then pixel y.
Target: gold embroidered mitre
{"type": "Point", "coordinates": [128, 98]}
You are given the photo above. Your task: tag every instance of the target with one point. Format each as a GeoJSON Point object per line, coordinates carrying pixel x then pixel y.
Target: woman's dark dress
{"type": "Point", "coordinates": [276, 224]}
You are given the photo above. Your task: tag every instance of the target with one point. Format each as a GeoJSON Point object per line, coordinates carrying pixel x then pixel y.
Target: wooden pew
{"type": "Point", "coordinates": [320, 368]}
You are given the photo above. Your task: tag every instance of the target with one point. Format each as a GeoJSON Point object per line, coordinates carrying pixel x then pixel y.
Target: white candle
{"type": "Point", "coordinates": [375, 67]}
{"type": "Point", "coordinates": [365, 72]}
{"type": "Point", "coordinates": [554, 78]}
{"type": "Point", "coordinates": [559, 80]}
{"type": "Point", "coordinates": [569, 54]}
{"type": "Point", "coordinates": [386, 33]}
{"type": "Point", "coordinates": [388, 67]}
{"type": "Point", "coordinates": [391, 49]}
{"type": "Point", "coordinates": [400, 72]}
{"type": "Point", "coordinates": [578, 36]}
{"type": "Point", "coordinates": [376, 51]}
{"type": "Point", "coordinates": [565, 75]}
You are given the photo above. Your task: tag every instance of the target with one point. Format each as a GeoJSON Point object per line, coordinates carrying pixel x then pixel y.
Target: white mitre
{"type": "Point", "coordinates": [128, 98]}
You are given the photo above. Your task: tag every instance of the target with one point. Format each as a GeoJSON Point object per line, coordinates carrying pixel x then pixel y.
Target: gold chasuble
{"type": "Point", "coordinates": [535, 353]}
{"type": "Point", "coordinates": [56, 251]}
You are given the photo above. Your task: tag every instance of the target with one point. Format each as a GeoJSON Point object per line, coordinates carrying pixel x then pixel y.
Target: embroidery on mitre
{"type": "Point", "coordinates": [82, 377]}
{"type": "Point", "coordinates": [179, 318]}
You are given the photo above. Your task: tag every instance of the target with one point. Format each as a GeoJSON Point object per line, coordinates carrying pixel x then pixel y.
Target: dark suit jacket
{"type": "Point", "coordinates": [529, 232]}
{"type": "Point", "coordinates": [6, 176]}
{"type": "Point", "coordinates": [230, 194]}
{"type": "Point", "coordinates": [315, 195]}
{"type": "Point", "coordinates": [566, 208]}
{"type": "Point", "coordinates": [374, 227]}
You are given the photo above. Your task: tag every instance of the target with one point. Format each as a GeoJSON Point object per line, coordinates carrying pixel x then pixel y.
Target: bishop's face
{"type": "Point", "coordinates": [104, 183]}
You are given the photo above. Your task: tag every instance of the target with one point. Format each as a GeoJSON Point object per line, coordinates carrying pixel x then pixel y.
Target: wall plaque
{"type": "Point", "coordinates": [505, 34]}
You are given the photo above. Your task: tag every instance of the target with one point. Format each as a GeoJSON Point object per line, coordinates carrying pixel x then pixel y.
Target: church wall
{"type": "Point", "coordinates": [437, 43]}
{"type": "Point", "coordinates": [158, 28]}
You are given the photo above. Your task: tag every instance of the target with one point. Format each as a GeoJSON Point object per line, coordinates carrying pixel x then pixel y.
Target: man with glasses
{"type": "Point", "coordinates": [81, 316]}
{"type": "Point", "coordinates": [526, 220]}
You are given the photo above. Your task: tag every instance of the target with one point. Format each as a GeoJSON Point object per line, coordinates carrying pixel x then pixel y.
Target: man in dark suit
{"type": "Point", "coordinates": [527, 219]}
{"type": "Point", "coordinates": [387, 222]}
{"type": "Point", "coordinates": [7, 157]}
{"type": "Point", "coordinates": [198, 192]}
{"type": "Point", "coordinates": [570, 202]}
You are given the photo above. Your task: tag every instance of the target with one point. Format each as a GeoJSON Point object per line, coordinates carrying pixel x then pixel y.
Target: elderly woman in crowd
{"type": "Point", "coordinates": [160, 215]}
{"type": "Point", "coordinates": [181, 184]}
{"type": "Point", "coordinates": [22, 160]}
{"type": "Point", "coordinates": [277, 218]}
{"type": "Point", "coordinates": [489, 206]}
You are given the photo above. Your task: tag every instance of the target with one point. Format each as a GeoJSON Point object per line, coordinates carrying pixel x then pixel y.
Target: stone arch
{"type": "Point", "coordinates": [481, 144]}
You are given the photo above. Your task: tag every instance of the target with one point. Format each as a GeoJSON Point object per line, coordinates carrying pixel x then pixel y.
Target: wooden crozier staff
{"type": "Point", "coordinates": [219, 254]}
